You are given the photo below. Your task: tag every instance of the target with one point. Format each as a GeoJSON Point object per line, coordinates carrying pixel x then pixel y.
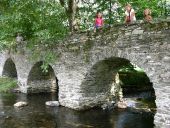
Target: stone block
{"type": "Point", "coordinates": [137, 32]}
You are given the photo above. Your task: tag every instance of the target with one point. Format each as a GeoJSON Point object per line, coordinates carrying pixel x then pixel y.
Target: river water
{"type": "Point", "coordinates": [37, 115]}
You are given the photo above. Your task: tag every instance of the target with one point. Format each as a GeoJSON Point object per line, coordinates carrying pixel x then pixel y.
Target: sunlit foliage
{"type": "Point", "coordinates": [37, 21]}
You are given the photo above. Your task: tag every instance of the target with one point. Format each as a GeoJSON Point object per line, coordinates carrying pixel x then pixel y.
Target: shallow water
{"type": "Point", "coordinates": [37, 115]}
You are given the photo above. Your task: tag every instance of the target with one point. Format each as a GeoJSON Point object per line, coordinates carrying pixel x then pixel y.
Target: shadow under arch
{"type": "Point", "coordinates": [9, 69]}
{"type": "Point", "coordinates": [101, 78]}
{"type": "Point", "coordinates": [40, 81]}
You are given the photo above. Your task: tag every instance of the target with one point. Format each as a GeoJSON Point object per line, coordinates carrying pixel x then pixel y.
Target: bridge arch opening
{"type": "Point", "coordinates": [42, 81]}
{"type": "Point", "coordinates": [9, 69]}
{"type": "Point", "coordinates": [114, 79]}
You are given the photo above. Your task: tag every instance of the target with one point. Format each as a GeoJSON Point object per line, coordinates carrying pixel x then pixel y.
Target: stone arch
{"type": "Point", "coordinates": [9, 69]}
{"type": "Point", "coordinates": [102, 71]}
{"type": "Point", "coordinates": [100, 79]}
{"type": "Point", "coordinates": [39, 81]}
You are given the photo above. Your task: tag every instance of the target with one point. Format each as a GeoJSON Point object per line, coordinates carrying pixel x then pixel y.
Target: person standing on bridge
{"type": "Point", "coordinates": [129, 14]}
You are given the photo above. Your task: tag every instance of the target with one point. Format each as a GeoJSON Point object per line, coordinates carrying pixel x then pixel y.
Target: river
{"type": "Point", "coordinates": [37, 115]}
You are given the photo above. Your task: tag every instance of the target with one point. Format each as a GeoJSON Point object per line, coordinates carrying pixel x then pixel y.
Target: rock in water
{"type": "Point", "coordinates": [52, 103]}
{"type": "Point", "coordinates": [121, 105]}
{"type": "Point", "coordinates": [109, 105]}
{"type": "Point", "coordinates": [20, 104]}
{"type": "Point", "coordinates": [104, 106]}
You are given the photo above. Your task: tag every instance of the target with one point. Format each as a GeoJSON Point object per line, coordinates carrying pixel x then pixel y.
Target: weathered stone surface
{"type": "Point", "coordinates": [52, 103]}
{"type": "Point", "coordinates": [20, 104]}
{"type": "Point", "coordinates": [87, 65]}
{"type": "Point", "coordinates": [137, 31]}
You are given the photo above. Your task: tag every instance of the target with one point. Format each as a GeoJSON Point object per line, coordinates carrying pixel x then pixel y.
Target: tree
{"type": "Point", "coordinates": [88, 10]}
{"type": "Point", "coordinates": [71, 10]}
{"type": "Point", "coordinates": [37, 21]}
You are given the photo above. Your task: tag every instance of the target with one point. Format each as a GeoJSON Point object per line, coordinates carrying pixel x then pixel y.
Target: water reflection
{"type": "Point", "coordinates": [37, 115]}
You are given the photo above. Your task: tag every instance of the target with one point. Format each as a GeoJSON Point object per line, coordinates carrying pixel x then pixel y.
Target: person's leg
{"type": "Point", "coordinates": [95, 28]}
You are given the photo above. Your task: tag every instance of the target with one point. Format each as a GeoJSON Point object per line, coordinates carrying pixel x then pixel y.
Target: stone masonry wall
{"type": "Point", "coordinates": [79, 79]}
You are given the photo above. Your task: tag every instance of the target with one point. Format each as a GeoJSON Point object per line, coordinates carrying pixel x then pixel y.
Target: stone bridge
{"type": "Point", "coordinates": [85, 67]}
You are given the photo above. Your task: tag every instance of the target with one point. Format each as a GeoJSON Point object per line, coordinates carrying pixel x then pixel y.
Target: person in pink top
{"type": "Point", "coordinates": [98, 21]}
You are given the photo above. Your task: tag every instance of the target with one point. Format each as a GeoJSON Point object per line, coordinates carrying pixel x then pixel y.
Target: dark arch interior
{"type": "Point", "coordinates": [137, 88]}
{"type": "Point", "coordinates": [101, 77]}
{"type": "Point", "coordinates": [9, 69]}
{"type": "Point", "coordinates": [135, 82]}
{"type": "Point", "coordinates": [37, 72]}
{"type": "Point", "coordinates": [40, 81]}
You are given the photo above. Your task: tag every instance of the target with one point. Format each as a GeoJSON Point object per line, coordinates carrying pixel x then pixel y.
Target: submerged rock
{"type": "Point", "coordinates": [20, 104]}
{"type": "Point", "coordinates": [52, 103]}
{"type": "Point", "coordinates": [8, 117]}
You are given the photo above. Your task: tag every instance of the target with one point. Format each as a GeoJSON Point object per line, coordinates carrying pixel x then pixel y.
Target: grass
{"type": "Point", "coordinates": [7, 84]}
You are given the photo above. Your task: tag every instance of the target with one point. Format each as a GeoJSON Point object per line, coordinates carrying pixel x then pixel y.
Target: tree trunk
{"type": "Point", "coordinates": [70, 8]}
{"type": "Point", "coordinates": [71, 12]}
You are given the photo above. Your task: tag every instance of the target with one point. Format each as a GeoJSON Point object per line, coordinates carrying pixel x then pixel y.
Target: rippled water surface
{"type": "Point", "coordinates": [37, 115]}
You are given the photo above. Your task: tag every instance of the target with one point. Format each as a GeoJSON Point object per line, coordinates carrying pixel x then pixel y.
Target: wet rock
{"type": "Point", "coordinates": [2, 114]}
{"type": "Point", "coordinates": [8, 117]}
{"type": "Point", "coordinates": [20, 104]}
{"type": "Point", "coordinates": [121, 104]}
{"type": "Point", "coordinates": [16, 90]}
{"type": "Point", "coordinates": [141, 110]}
{"type": "Point", "coordinates": [79, 125]}
{"type": "Point", "coordinates": [104, 106]}
{"type": "Point", "coordinates": [52, 103]}
{"type": "Point", "coordinates": [108, 106]}
{"type": "Point", "coordinates": [137, 105]}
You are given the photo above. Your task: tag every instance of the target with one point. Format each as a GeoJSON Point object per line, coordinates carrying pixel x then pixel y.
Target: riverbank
{"type": "Point", "coordinates": [7, 84]}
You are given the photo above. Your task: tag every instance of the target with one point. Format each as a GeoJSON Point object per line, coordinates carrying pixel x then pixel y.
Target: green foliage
{"type": "Point", "coordinates": [134, 79]}
{"type": "Point", "coordinates": [37, 21]}
{"type": "Point", "coordinates": [140, 5]}
{"type": "Point", "coordinates": [112, 16]}
{"type": "Point", "coordinates": [131, 75]}
{"type": "Point", "coordinates": [49, 57]}
{"type": "Point", "coordinates": [148, 102]}
{"type": "Point", "coordinates": [43, 22]}
{"type": "Point", "coordinates": [45, 54]}
{"type": "Point", "coordinates": [6, 84]}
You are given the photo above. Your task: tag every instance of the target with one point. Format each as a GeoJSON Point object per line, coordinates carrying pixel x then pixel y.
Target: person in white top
{"type": "Point", "coordinates": [129, 14]}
